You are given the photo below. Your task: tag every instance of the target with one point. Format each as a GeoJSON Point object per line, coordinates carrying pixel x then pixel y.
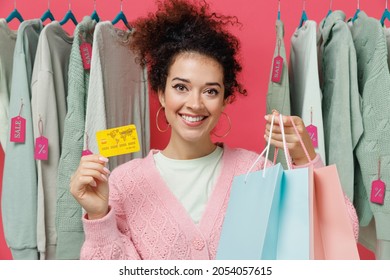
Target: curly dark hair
{"type": "Point", "coordinates": [180, 26]}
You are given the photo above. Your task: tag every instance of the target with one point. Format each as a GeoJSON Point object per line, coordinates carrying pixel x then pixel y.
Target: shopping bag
{"type": "Point", "coordinates": [267, 215]}
{"type": "Point", "coordinates": [251, 217]}
{"type": "Point", "coordinates": [331, 232]}
{"type": "Point", "coordinates": [294, 216]}
{"type": "Point", "coordinates": [333, 236]}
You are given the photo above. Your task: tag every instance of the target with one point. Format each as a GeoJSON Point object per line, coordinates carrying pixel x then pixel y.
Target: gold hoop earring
{"type": "Point", "coordinates": [158, 127]}
{"type": "Point", "coordinates": [230, 127]}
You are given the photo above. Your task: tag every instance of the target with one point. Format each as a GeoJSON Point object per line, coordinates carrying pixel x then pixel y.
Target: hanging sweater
{"type": "Point", "coordinates": [146, 220]}
{"type": "Point", "coordinates": [70, 234]}
{"type": "Point", "coordinates": [304, 82]}
{"type": "Point", "coordinates": [278, 96]}
{"type": "Point", "coordinates": [19, 197]}
{"type": "Point", "coordinates": [49, 88]}
{"type": "Point", "coordinates": [374, 87]}
{"type": "Point", "coordinates": [118, 90]}
{"type": "Point", "coordinates": [343, 125]}
{"type": "Point", "coordinates": [7, 47]}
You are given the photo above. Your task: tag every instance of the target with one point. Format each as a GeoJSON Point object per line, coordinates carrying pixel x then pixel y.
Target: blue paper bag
{"type": "Point", "coordinates": [294, 216]}
{"type": "Point", "coordinates": [267, 217]}
{"type": "Point", "coordinates": [251, 216]}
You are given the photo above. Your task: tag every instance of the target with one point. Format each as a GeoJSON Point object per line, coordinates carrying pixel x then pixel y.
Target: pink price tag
{"type": "Point", "coordinates": [277, 69]}
{"type": "Point", "coordinates": [86, 55]}
{"type": "Point", "coordinates": [18, 129]}
{"type": "Point", "coordinates": [378, 188]}
{"type": "Point", "coordinates": [86, 153]}
{"type": "Point", "coordinates": [312, 130]}
{"type": "Point", "coordinates": [41, 148]}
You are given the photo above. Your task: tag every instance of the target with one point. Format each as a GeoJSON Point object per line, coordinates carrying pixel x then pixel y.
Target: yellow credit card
{"type": "Point", "coordinates": [118, 141]}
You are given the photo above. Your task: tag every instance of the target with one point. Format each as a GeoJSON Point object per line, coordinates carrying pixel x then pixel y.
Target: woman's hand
{"type": "Point", "coordinates": [294, 146]}
{"type": "Point", "coordinates": [89, 185]}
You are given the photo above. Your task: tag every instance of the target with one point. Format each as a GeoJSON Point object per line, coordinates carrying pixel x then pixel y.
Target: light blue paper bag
{"type": "Point", "coordinates": [251, 218]}
{"type": "Point", "coordinates": [268, 214]}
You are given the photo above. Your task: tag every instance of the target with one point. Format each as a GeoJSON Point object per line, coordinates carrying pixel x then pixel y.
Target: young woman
{"type": "Point", "coordinates": [171, 204]}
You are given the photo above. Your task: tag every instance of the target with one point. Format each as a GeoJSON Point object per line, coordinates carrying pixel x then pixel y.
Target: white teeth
{"type": "Point", "coordinates": [192, 119]}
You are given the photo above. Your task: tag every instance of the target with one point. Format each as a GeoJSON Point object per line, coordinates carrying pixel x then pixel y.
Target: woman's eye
{"type": "Point", "coordinates": [180, 87]}
{"type": "Point", "coordinates": [211, 91]}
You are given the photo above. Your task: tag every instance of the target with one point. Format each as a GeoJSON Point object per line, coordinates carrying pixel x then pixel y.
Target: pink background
{"type": "Point", "coordinates": [257, 36]}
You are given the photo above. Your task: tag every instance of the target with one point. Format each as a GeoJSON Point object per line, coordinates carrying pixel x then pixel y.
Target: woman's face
{"type": "Point", "coordinates": [193, 97]}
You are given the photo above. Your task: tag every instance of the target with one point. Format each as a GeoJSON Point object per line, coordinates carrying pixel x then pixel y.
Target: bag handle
{"type": "Point", "coordinates": [287, 154]}
{"type": "Point", "coordinates": [300, 140]}
{"type": "Point", "coordinates": [266, 150]}
{"type": "Point", "coordinates": [286, 151]}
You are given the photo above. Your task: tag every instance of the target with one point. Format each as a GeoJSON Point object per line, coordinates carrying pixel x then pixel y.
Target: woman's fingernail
{"type": "Point", "coordinates": [93, 183]}
{"type": "Point", "coordinates": [266, 117]}
{"type": "Point", "coordinates": [105, 169]}
{"type": "Point", "coordinates": [104, 177]}
{"type": "Point", "coordinates": [103, 159]}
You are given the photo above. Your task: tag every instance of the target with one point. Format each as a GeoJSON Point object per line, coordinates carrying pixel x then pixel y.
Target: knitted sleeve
{"type": "Point", "coordinates": [109, 238]}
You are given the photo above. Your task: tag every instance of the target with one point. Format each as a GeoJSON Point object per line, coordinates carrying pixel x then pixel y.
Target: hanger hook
{"type": "Point", "coordinates": [70, 5]}
{"type": "Point", "coordinates": [331, 5]}
{"type": "Point", "coordinates": [358, 4]}
{"type": "Point", "coordinates": [94, 4]}
{"type": "Point", "coordinates": [15, 4]}
{"type": "Point", "coordinates": [48, 4]}
{"type": "Point", "coordinates": [121, 5]}
{"type": "Point", "coordinates": [304, 5]}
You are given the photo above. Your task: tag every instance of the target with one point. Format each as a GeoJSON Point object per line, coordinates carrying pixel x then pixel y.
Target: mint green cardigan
{"type": "Point", "coordinates": [70, 234]}
{"type": "Point", "coordinates": [374, 86]}
{"type": "Point", "coordinates": [19, 195]}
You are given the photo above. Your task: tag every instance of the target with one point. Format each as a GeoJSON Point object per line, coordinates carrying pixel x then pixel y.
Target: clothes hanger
{"type": "Point", "coordinates": [94, 14]}
{"type": "Point", "coordinates": [330, 8]}
{"type": "Point", "coordinates": [121, 16]}
{"type": "Point", "coordinates": [278, 9]}
{"type": "Point", "coordinates": [357, 11]}
{"type": "Point", "coordinates": [69, 16]}
{"type": "Point", "coordinates": [386, 15]}
{"type": "Point", "coordinates": [14, 14]}
{"type": "Point", "coordinates": [47, 14]}
{"type": "Point", "coordinates": [304, 15]}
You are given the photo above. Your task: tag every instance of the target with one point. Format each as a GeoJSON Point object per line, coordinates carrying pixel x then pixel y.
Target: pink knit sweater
{"type": "Point", "coordinates": [146, 221]}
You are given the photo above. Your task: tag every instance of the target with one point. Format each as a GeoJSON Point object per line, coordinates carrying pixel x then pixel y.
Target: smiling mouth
{"type": "Point", "coordinates": [193, 119]}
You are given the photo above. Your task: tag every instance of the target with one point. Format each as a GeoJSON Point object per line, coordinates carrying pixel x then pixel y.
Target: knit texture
{"type": "Point", "coordinates": [374, 85]}
{"type": "Point", "coordinates": [343, 125]}
{"type": "Point", "coordinates": [146, 221]}
{"type": "Point", "coordinates": [70, 234]}
{"type": "Point", "coordinates": [278, 96]}
{"type": "Point", "coordinates": [19, 194]}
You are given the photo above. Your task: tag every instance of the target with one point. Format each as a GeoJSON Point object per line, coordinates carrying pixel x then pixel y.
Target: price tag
{"type": "Point", "coordinates": [18, 129]}
{"type": "Point", "coordinates": [118, 141]}
{"type": "Point", "coordinates": [86, 54]}
{"type": "Point", "coordinates": [41, 148]}
{"type": "Point", "coordinates": [277, 69]}
{"type": "Point", "coordinates": [378, 189]}
{"type": "Point", "coordinates": [312, 130]}
{"type": "Point", "coordinates": [86, 153]}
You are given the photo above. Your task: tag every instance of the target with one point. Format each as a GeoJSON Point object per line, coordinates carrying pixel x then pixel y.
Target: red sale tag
{"type": "Point", "coordinates": [41, 148]}
{"type": "Point", "coordinates": [312, 130]}
{"type": "Point", "coordinates": [86, 54]}
{"type": "Point", "coordinates": [18, 129]}
{"type": "Point", "coordinates": [378, 189]}
{"type": "Point", "coordinates": [277, 69]}
{"type": "Point", "coordinates": [86, 153]}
